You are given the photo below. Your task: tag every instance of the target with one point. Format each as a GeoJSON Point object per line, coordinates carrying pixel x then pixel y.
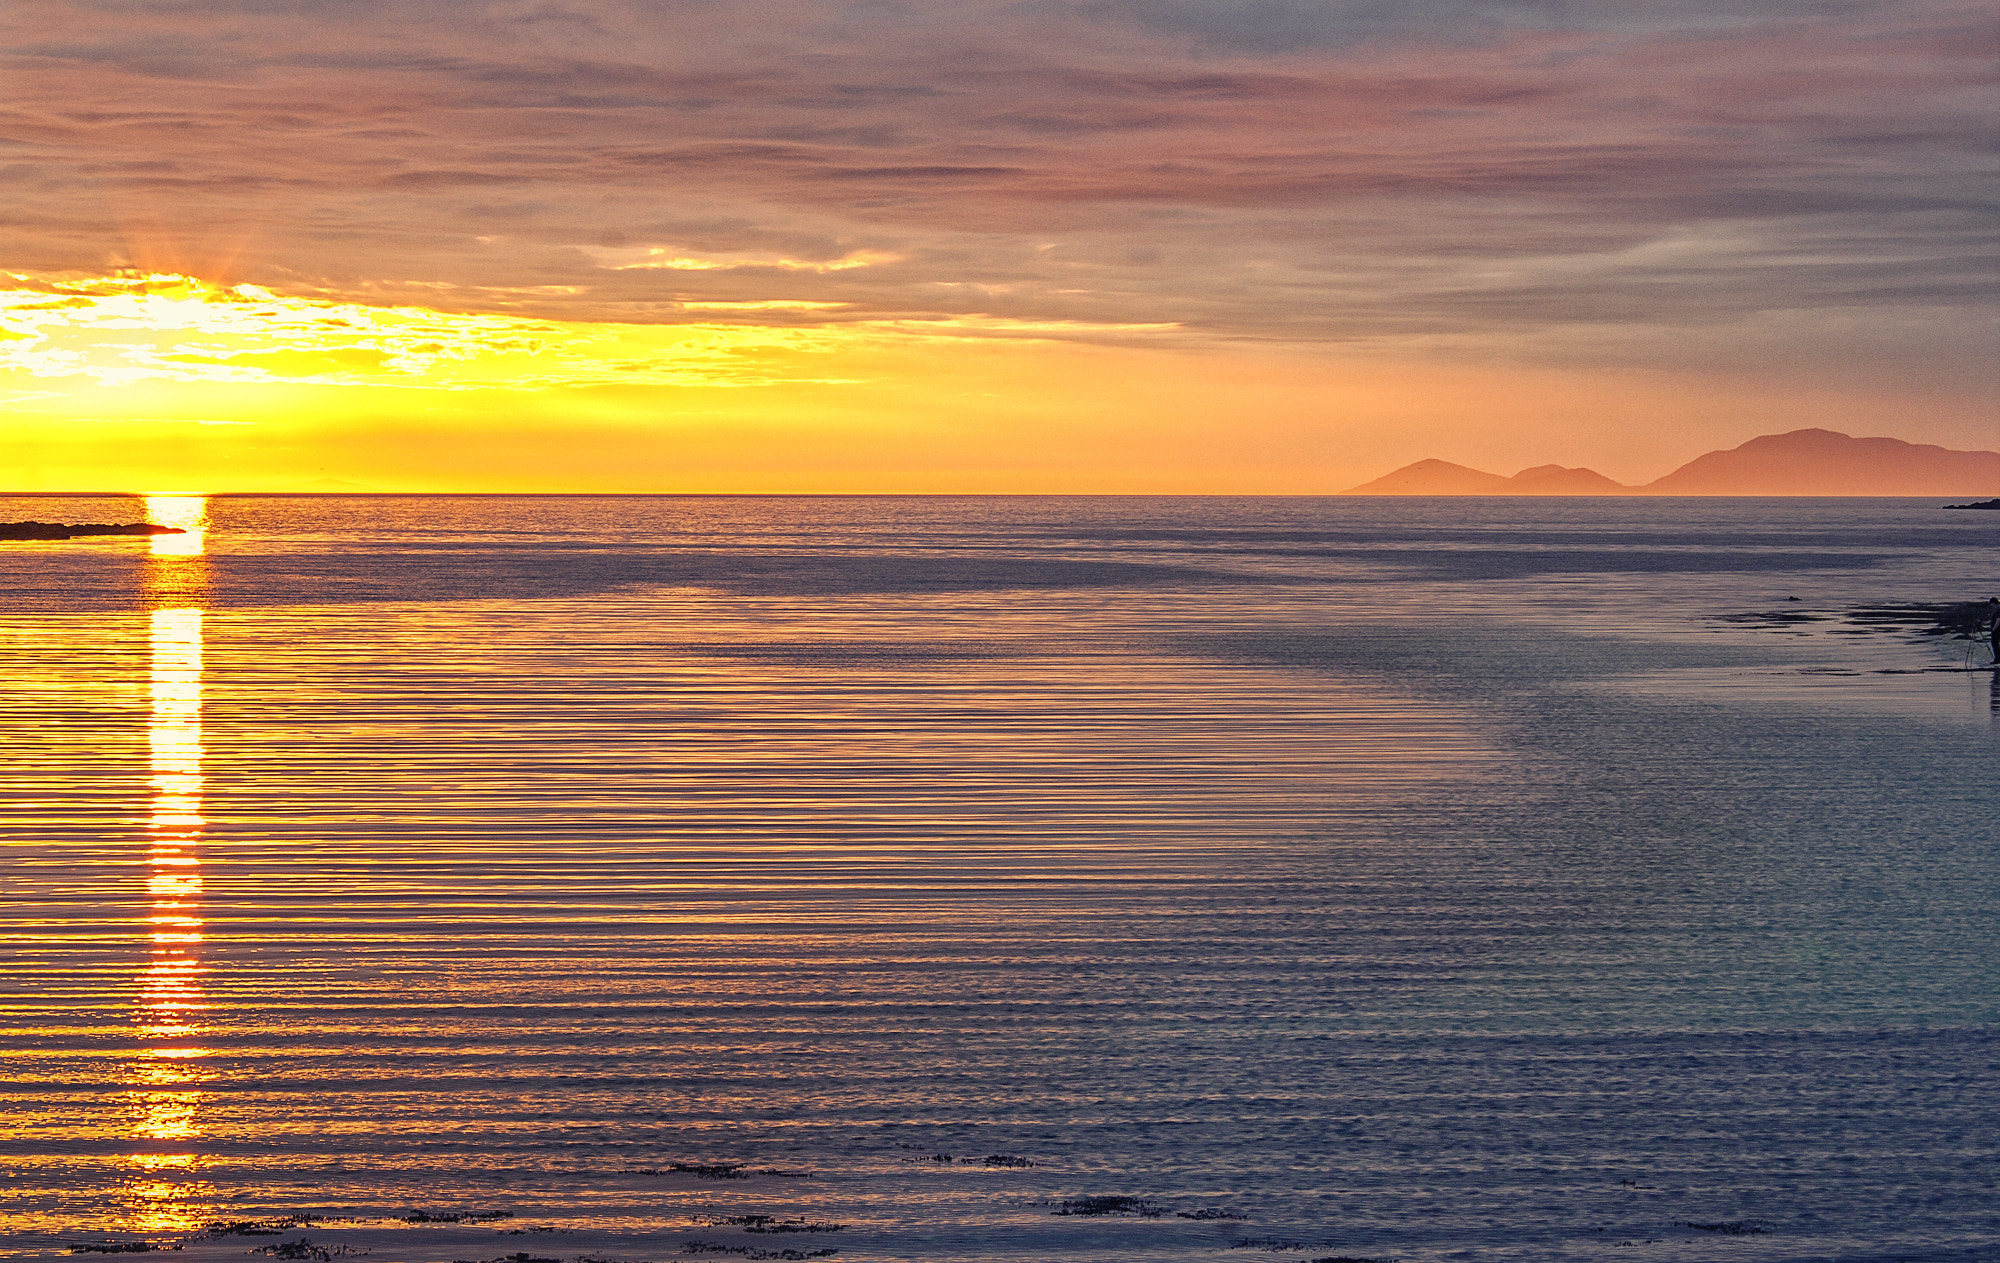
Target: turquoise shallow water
{"type": "Point", "coordinates": [1209, 879]}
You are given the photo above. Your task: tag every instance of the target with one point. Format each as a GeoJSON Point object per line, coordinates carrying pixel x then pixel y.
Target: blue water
{"type": "Point", "coordinates": [1415, 879]}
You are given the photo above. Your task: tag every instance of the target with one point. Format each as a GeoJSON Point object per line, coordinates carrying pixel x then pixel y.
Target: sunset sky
{"type": "Point", "coordinates": [1017, 245]}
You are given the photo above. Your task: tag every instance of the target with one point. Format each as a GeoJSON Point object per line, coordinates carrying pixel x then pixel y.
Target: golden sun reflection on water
{"type": "Point", "coordinates": [162, 1097]}
{"type": "Point", "coordinates": [177, 576]}
{"type": "Point", "coordinates": [190, 514]}
{"type": "Point", "coordinates": [166, 1195]}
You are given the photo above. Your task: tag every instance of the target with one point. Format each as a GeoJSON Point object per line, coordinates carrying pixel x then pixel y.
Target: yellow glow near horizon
{"type": "Point", "coordinates": [124, 331]}
{"type": "Point", "coordinates": [177, 329]}
{"type": "Point", "coordinates": [137, 383]}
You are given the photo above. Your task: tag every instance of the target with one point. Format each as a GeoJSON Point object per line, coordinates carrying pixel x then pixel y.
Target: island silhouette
{"type": "Point", "coordinates": [33, 530]}
{"type": "Point", "coordinates": [1797, 463]}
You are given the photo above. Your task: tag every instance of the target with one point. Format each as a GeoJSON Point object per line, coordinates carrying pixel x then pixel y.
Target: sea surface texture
{"type": "Point", "coordinates": [932, 879]}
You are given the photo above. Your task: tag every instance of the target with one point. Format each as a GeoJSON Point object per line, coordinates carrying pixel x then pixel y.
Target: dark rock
{"type": "Point", "coordinates": [70, 530]}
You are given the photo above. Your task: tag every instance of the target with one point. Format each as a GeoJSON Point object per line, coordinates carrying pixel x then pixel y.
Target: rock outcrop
{"type": "Point", "coordinates": [71, 530]}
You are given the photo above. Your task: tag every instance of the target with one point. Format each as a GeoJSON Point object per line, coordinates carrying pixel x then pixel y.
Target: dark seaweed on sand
{"type": "Point", "coordinates": [117, 1247]}
{"type": "Point", "coordinates": [1730, 1228]}
{"type": "Point", "coordinates": [704, 1170]}
{"type": "Point", "coordinates": [457, 1217]}
{"type": "Point", "coordinates": [303, 1248]}
{"type": "Point", "coordinates": [771, 1223]}
{"type": "Point", "coordinates": [1266, 1243]}
{"type": "Point", "coordinates": [991, 1160]}
{"type": "Point", "coordinates": [1209, 1212]}
{"type": "Point", "coordinates": [751, 1252]}
{"type": "Point", "coordinates": [1139, 1206]}
{"type": "Point", "coordinates": [260, 1227]}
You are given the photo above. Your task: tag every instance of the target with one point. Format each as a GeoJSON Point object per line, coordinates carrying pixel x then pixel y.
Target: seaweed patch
{"type": "Point", "coordinates": [1728, 1228]}
{"type": "Point", "coordinates": [1139, 1206]}
{"type": "Point", "coordinates": [304, 1248]}
{"type": "Point", "coordinates": [703, 1170]}
{"type": "Point", "coordinates": [752, 1252]}
{"type": "Point", "coordinates": [771, 1223]}
{"type": "Point", "coordinates": [260, 1227]}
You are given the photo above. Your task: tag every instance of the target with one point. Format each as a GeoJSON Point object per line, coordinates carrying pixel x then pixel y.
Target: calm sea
{"type": "Point", "coordinates": [630, 878]}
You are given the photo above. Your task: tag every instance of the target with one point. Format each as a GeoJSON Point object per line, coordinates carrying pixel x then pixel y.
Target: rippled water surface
{"type": "Point", "coordinates": [626, 878]}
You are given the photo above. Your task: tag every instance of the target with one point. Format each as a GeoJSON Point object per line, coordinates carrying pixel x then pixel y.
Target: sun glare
{"type": "Point", "coordinates": [185, 513]}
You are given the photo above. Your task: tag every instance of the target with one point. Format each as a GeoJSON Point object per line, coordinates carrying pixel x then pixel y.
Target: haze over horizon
{"type": "Point", "coordinates": [1178, 246]}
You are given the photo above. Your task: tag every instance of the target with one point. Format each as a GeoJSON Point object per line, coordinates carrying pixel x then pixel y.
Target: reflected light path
{"type": "Point", "coordinates": [163, 1099]}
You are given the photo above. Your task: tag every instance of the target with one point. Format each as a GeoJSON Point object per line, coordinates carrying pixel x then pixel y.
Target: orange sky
{"type": "Point", "coordinates": [793, 245]}
{"type": "Point", "coordinates": [170, 385]}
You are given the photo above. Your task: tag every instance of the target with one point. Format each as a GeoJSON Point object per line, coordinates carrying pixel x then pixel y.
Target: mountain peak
{"type": "Point", "coordinates": [1809, 462]}
{"type": "Point", "coordinates": [1819, 462]}
{"type": "Point", "coordinates": [1432, 478]}
{"type": "Point", "coordinates": [1442, 478]}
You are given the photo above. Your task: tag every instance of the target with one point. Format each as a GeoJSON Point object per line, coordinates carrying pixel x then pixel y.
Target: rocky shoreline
{"type": "Point", "coordinates": [1961, 620]}
{"type": "Point", "coordinates": [1972, 621]}
{"type": "Point", "coordinates": [74, 530]}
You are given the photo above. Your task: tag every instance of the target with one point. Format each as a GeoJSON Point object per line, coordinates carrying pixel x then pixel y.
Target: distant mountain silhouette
{"type": "Point", "coordinates": [1554, 480]}
{"type": "Point", "coordinates": [1801, 463]}
{"type": "Point", "coordinates": [1442, 478]}
{"type": "Point", "coordinates": [1823, 463]}
{"type": "Point", "coordinates": [1432, 478]}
